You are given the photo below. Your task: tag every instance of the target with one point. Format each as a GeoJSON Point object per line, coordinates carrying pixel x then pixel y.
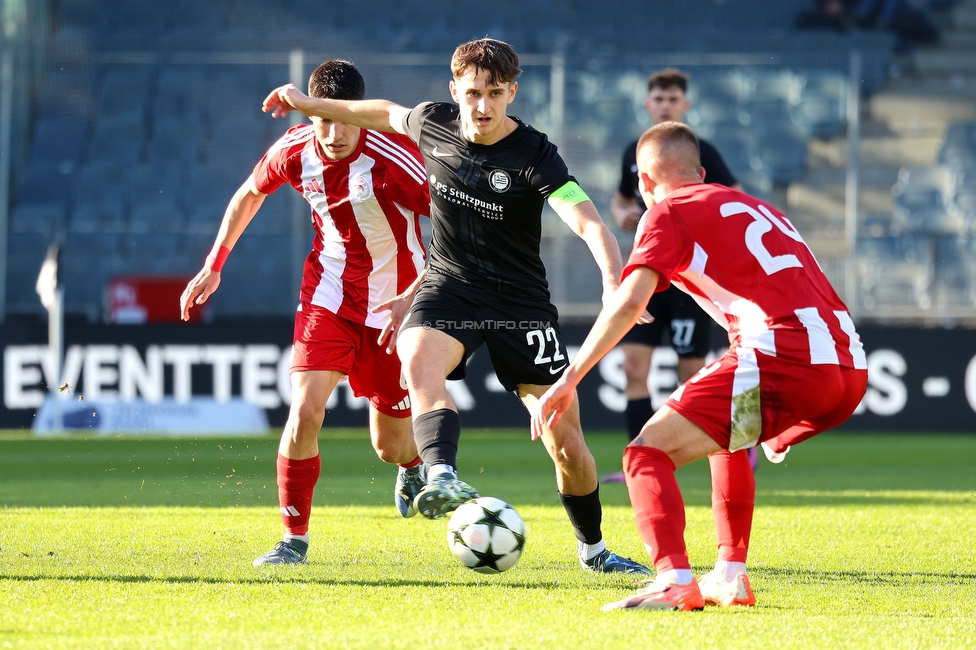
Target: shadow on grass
{"type": "Point", "coordinates": [878, 578]}
{"type": "Point", "coordinates": [302, 579]}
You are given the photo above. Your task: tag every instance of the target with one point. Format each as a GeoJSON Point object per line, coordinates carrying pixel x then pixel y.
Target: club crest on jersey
{"type": "Point", "coordinates": [500, 181]}
{"type": "Point", "coordinates": [360, 188]}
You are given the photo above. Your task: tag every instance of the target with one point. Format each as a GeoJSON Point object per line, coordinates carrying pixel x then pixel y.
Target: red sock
{"type": "Point", "coordinates": [659, 509]}
{"type": "Point", "coordinates": [296, 483]}
{"type": "Point", "coordinates": [733, 502]}
{"type": "Point", "coordinates": [416, 461]}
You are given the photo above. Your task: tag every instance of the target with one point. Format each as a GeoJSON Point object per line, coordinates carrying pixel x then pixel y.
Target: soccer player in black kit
{"type": "Point", "coordinates": [489, 175]}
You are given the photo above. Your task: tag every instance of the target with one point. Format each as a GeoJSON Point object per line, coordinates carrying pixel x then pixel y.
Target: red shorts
{"type": "Point", "coordinates": [324, 341]}
{"type": "Point", "coordinates": [747, 397]}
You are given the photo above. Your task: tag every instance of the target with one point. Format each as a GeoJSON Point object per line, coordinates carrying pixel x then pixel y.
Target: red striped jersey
{"type": "Point", "coordinates": [747, 266]}
{"type": "Point", "coordinates": [366, 211]}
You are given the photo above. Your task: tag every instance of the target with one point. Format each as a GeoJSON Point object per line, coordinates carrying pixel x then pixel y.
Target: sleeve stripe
{"type": "Point", "coordinates": [396, 153]}
{"type": "Point", "coordinates": [290, 139]}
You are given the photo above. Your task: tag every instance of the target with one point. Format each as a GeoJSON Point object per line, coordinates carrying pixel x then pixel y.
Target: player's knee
{"type": "Point", "coordinates": [307, 416]}
{"type": "Point", "coordinates": [635, 370]}
{"type": "Point", "coordinates": [383, 452]}
{"type": "Point", "coordinates": [570, 447]}
{"type": "Point", "coordinates": [386, 452]}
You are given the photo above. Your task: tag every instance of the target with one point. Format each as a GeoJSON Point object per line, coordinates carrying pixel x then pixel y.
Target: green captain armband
{"type": "Point", "coordinates": [567, 196]}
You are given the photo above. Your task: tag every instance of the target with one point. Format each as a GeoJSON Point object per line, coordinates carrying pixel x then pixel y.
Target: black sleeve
{"type": "Point", "coordinates": [715, 169]}
{"type": "Point", "coordinates": [414, 121]}
{"type": "Point", "coordinates": [627, 166]}
{"type": "Point", "coordinates": [548, 173]}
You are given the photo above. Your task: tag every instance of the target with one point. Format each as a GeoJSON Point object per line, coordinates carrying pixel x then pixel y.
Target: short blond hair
{"type": "Point", "coordinates": [675, 144]}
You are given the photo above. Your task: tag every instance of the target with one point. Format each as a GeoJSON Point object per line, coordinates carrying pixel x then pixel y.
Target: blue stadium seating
{"type": "Point", "coordinates": [131, 152]}
{"type": "Point", "coordinates": [25, 253]}
{"type": "Point", "coordinates": [48, 217]}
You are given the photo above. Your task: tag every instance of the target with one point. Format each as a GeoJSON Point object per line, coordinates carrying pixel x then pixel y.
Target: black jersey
{"type": "Point", "coordinates": [486, 200]}
{"type": "Point", "coordinates": [715, 170]}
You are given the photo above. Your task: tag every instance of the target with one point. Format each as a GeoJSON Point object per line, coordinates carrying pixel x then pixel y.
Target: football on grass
{"type": "Point", "coordinates": [487, 535]}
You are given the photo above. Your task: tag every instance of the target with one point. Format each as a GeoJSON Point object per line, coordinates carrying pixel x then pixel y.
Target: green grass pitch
{"type": "Point", "coordinates": [860, 541]}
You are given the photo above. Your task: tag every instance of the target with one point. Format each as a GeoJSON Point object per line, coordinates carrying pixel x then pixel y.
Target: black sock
{"type": "Point", "coordinates": [437, 434]}
{"type": "Point", "coordinates": [637, 413]}
{"type": "Point", "coordinates": [586, 515]}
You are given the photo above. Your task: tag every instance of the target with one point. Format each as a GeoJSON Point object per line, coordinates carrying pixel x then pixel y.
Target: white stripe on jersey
{"type": "Point", "coordinates": [753, 330]}
{"type": "Point", "coordinates": [823, 348]}
{"type": "Point", "coordinates": [391, 150]}
{"type": "Point", "coordinates": [746, 405]}
{"type": "Point", "coordinates": [380, 241]}
{"type": "Point", "coordinates": [698, 260]}
{"type": "Point", "coordinates": [291, 139]}
{"type": "Point", "coordinates": [855, 347]}
{"type": "Point", "coordinates": [328, 292]}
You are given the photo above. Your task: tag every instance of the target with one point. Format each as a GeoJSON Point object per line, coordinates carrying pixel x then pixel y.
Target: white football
{"type": "Point", "coordinates": [487, 535]}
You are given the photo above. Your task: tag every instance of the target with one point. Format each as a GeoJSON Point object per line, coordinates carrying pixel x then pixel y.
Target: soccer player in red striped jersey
{"type": "Point", "coordinates": [795, 365]}
{"type": "Point", "coordinates": [367, 191]}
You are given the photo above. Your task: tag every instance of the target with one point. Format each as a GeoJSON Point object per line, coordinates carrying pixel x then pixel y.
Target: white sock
{"type": "Point", "coordinates": [439, 470]}
{"type": "Point", "coordinates": [675, 577]}
{"type": "Point", "coordinates": [589, 551]}
{"type": "Point", "coordinates": [729, 570]}
{"type": "Point", "coordinates": [301, 538]}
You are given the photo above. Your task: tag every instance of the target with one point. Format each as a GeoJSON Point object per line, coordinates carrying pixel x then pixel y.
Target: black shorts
{"type": "Point", "coordinates": [522, 334]}
{"type": "Point", "coordinates": [679, 323]}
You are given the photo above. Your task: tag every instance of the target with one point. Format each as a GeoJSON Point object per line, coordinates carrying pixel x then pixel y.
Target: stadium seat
{"type": "Point", "coordinates": [958, 146]}
{"type": "Point", "coordinates": [121, 141]}
{"type": "Point", "coordinates": [952, 272]}
{"type": "Point", "coordinates": [921, 196]}
{"type": "Point", "coordinates": [155, 195]}
{"type": "Point", "coordinates": [200, 117]}
{"type": "Point", "coordinates": [892, 272]}
{"type": "Point", "coordinates": [258, 278]}
{"type": "Point", "coordinates": [737, 146]}
{"type": "Point", "coordinates": [755, 183]}
{"type": "Point", "coordinates": [711, 112]}
{"type": "Point", "coordinates": [207, 191]}
{"type": "Point", "coordinates": [276, 214]}
{"type": "Point", "coordinates": [821, 117]}
{"type": "Point", "coordinates": [156, 213]}
{"type": "Point", "coordinates": [126, 81]}
{"type": "Point", "coordinates": [40, 182]}
{"type": "Point", "coordinates": [181, 92]}
{"type": "Point", "coordinates": [176, 142]}
{"type": "Point", "coordinates": [88, 261]}
{"type": "Point", "coordinates": [58, 142]}
{"type": "Point", "coordinates": [767, 113]}
{"type": "Point", "coordinates": [767, 85]}
{"type": "Point", "coordinates": [154, 254]}
{"type": "Point", "coordinates": [47, 217]}
{"type": "Point", "coordinates": [25, 253]}
{"type": "Point", "coordinates": [783, 152]}
{"type": "Point", "coordinates": [101, 195]}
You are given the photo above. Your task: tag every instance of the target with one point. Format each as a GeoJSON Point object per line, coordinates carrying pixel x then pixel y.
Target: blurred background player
{"type": "Point", "coordinates": [795, 365]}
{"type": "Point", "coordinates": [367, 191]}
{"type": "Point", "coordinates": [678, 320]}
{"type": "Point", "coordinates": [490, 175]}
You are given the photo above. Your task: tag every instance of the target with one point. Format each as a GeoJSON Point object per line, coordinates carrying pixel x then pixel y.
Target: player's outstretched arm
{"type": "Point", "coordinates": [578, 212]}
{"type": "Point", "coordinates": [375, 114]}
{"type": "Point", "coordinates": [616, 318]}
{"type": "Point", "coordinates": [242, 207]}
